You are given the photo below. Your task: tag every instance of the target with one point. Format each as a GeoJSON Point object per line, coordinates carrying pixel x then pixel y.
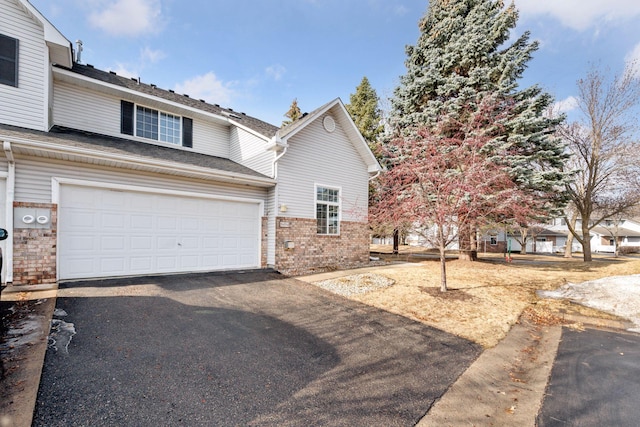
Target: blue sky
{"type": "Point", "coordinates": [256, 56]}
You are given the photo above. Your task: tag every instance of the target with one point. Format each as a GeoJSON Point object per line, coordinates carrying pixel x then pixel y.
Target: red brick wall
{"type": "Point", "coordinates": [34, 250]}
{"type": "Point", "coordinates": [316, 253]}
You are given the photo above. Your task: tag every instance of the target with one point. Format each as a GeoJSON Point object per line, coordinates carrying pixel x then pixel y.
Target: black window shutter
{"type": "Point", "coordinates": [8, 61]}
{"type": "Point", "coordinates": [126, 117]}
{"type": "Point", "coordinates": [187, 132]}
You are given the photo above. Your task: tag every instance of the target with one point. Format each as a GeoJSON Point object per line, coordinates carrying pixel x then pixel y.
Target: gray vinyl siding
{"type": "Point", "coordinates": [249, 150]}
{"type": "Point", "coordinates": [25, 105]}
{"type": "Point", "coordinates": [316, 156]}
{"type": "Point", "coordinates": [33, 180]}
{"type": "Point", "coordinates": [79, 108]}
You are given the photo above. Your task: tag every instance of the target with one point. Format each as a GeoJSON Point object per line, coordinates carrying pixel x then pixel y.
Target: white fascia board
{"type": "Point", "coordinates": [114, 89]}
{"type": "Point", "coordinates": [204, 173]}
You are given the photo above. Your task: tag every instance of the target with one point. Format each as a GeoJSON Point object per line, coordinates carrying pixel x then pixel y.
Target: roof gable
{"type": "Point", "coordinates": [60, 51]}
{"type": "Point", "coordinates": [337, 108]}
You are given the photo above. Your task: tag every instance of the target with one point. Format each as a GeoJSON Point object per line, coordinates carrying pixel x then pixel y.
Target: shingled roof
{"type": "Point", "coordinates": [64, 137]}
{"type": "Point", "coordinates": [259, 126]}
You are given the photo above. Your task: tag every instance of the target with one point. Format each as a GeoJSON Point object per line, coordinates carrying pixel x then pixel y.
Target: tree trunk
{"type": "Point", "coordinates": [443, 260]}
{"type": "Point", "coordinates": [396, 241]}
{"type": "Point", "coordinates": [586, 241]}
{"type": "Point", "coordinates": [523, 238]}
{"type": "Point", "coordinates": [465, 239]}
{"type": "Point", "coordinates": [568, 250]}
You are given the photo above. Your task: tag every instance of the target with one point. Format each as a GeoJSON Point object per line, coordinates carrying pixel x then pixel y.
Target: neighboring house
{"type": "Point", "coordinates": [107, 176]}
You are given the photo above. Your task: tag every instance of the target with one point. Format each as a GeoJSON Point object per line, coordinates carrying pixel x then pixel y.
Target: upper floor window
{"type": "Point", "coordinates": [8, 61]}
{"type": "Point", "coordinates": [156, 125]}
{"type": "Point", "coordinates": [327, 210]}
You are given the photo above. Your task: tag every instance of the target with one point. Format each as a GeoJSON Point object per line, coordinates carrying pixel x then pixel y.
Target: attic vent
{"type": "Point", "coordinates": [153, 86]}
{"type": "Point", "coordinates": [89, 65]}
{"type": "Point", "coordinates": [217, 105]}
{"type": "Point", "coordinates": [329, 124]}
{"type": "Point", "coordinates": [185, 95]}
{"type": "Point", "coordinates": [202, 100]}
{"type": "Point", "coordinates": [113, 72]}
{"type": "Point", "coordinates": [171, 90]}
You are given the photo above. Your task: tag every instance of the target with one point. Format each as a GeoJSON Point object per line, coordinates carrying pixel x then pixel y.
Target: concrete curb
{"type": "Point", "coordinates": [505, 385]}
{"type": "Point", "coordinates": [18, 410]}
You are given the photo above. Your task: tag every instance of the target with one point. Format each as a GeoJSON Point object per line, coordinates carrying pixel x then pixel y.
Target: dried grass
{"type": "Point", "coordinates": [486, 297]}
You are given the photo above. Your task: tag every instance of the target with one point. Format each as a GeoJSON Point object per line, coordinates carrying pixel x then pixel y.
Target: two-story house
{"type": "Point", "coordinates": [103, 175]}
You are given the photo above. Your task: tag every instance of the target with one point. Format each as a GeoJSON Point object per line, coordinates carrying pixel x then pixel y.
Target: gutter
{"type": "Point", "coordinates": [10, 197]}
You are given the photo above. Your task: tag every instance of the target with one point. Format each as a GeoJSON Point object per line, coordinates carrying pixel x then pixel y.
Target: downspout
{"type": "Point", "coordinates": [11, 183]}
{"type": "Point", "coordinates": [276, 201]}
{"type": "Point", "coordinates": [376, 175]}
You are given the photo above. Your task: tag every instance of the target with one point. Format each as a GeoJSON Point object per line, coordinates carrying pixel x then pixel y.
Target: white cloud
{"type": "Point", "coordinates": [633, 60]}
{"type": "Point", "coordinates": [566, 105]}
{"type": "Point", "coordinates": [148, 55]}
{"type": "Point", "coordinates": [207, 87]}
{"type": "Point", "coordinates": [276, 71]}
{"type": "Point", "coordinates": [128, 17]}
{"type": "Point", "coordinates": [581, 14]}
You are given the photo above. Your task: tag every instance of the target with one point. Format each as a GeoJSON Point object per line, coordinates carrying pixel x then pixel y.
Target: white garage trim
{"type": "Point", "coordinates": [150, 235]}
{"type": "Point", "coordinates": [56, 182]}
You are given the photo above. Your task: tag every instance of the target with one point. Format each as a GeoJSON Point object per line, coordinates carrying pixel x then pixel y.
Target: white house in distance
{"type": "Point", "coordinates": [553, 237]}
{"type": "Point", "coordinates": [105, 176]}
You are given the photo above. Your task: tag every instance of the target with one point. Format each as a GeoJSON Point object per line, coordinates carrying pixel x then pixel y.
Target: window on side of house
{"type": "Point", "coordinates": [494, 240]}
{"type": "Point", "coordinates": [156, 125]}
{"type": "Point", "coordinates": [327, 210]}
{"type": "Point", "coordinates": [8, 61]}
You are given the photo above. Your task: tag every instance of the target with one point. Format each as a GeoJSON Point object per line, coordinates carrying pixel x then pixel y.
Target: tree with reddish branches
{"type": "Point", "coordinates": [440, 181]}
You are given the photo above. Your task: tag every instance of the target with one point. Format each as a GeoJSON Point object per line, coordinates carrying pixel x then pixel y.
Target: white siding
{"type": "Point", "coordinates": [33, 180]}
{"type": "Point", "coordinates": [26, 105]}
{"type": "Point", "coordinates": [79, 108]}
{"type": "Point", "coordinates": [316, 156]}
{"type": "Point", "coordinates": [249, 150]}
{"type": "Point", "coordinates": [82, 109]}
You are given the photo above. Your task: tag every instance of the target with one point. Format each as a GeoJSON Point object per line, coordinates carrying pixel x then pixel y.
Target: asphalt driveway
{"type": "Point", "coordinates": [595, 380]}
{"type": "Point", "coordinates": [250, 348]}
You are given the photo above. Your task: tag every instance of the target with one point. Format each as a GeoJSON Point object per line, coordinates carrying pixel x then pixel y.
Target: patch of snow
{"type": "Point", "coordinates": [618, 295]}
{"type": "Point", "coordinates": [60, 335]}
{"type": "Point", "coordinates": [58, 312]}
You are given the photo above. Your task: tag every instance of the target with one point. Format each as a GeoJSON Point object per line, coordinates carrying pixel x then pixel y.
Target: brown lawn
{"type": "Point", "coordinates": [486, 297]}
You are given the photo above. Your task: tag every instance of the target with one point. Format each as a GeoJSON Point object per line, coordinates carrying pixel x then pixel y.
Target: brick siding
{"type": "Point", "coordinates": [34, 250]}
{"type": "Point", "coordinates": [314, 253]}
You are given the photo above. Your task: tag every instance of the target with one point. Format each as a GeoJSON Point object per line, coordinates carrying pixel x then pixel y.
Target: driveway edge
{"type": "Point", "coordinates": [505, 385]}
{"type": "Point", "coordinates": [18, 409]}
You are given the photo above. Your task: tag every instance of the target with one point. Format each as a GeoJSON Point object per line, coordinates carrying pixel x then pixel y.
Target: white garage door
{"type": "Point", "coordinates": [104, 232]}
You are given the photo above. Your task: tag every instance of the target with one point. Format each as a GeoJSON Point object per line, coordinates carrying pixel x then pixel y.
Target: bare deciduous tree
{"type": "Point", "coordinates": [604, 153]}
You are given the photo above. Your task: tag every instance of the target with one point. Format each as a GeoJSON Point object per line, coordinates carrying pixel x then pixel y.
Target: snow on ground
{"type": "Point", "coordinates": [618, 295]}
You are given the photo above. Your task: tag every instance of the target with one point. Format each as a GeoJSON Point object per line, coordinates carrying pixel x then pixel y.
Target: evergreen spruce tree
{"type": "Point", "coordinates": [463, 57]}
{"type": "Point", "coordinates": [365, 112]}
{"type": "Point", "coordinates": [293, 114]}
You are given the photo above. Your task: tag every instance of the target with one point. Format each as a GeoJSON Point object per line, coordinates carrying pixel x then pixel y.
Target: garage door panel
{"type": "Point", "coordinates": [113, 243]}
{"type": "Point", "coordinates": [79, 219]}
{"type": "Point", "coordinates": [113, 266]}
{"type": "Point", "coordinates": [113, 220]}
{"type": "Point", "coordinates": [109, 233]}
{"type": "Point", "coordinates": [140, 265]}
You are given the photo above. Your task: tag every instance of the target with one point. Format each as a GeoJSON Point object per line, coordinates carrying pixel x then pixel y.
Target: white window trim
{"type": "Point", "coordinates": [339, 204]}
{"type": "Point", "coordinates": [135, 125]}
